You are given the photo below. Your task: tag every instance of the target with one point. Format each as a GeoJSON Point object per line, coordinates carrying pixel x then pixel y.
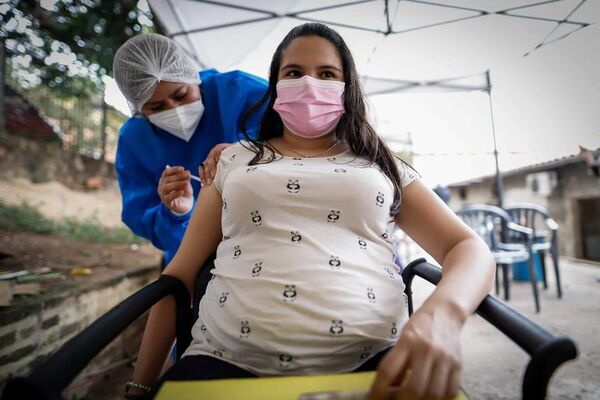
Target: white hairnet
{"type": "Point", "coordinates": [146, 59]}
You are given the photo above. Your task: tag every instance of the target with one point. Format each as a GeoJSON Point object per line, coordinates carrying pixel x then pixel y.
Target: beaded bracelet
{"type": "Point", "coordinates": [132, 384]}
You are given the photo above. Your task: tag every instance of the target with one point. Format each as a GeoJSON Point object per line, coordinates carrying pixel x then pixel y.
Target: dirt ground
{"type": "Point", "coordinates": [23, 250]}
{"type": "Point", "coordinates": [56, 201]}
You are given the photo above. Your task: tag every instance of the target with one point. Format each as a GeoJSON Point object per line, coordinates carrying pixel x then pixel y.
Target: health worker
{"type": "Point", "coordinates": [181, 121]}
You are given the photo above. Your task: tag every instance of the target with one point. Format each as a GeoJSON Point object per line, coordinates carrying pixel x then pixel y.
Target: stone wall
{"type": "Point", "coordinates": [576, 184]}
{"type": "Point", "coordinates": [32, 330]}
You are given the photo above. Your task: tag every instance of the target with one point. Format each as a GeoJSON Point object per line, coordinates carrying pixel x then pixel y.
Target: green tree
{"type": "Point", "coordinates": [68, 45]}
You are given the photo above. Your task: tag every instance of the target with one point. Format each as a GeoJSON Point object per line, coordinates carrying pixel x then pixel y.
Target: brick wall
{"type": "Point", "coordinates": [30, 332]}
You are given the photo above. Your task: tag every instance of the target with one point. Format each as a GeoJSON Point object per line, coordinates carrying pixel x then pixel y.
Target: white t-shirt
{"type": "Point", "coordinates": [304, 280]}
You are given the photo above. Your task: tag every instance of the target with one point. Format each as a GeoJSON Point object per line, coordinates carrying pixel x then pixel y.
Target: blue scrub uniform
{"type": "Point", "coordinates": [144, 150]}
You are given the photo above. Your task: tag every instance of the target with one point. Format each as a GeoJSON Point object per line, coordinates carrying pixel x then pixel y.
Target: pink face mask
{"type": "Point", "coordinates": [309, 107]}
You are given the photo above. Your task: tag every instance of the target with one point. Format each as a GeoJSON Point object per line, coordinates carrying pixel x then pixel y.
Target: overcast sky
{"type": "Point", "coordinates": [544, 104]}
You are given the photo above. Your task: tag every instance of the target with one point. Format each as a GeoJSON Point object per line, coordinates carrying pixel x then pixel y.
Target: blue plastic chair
{"type": "Point", "coordinates": [509, 242]}
{"type": "Point", "coordinates": [545, 235]}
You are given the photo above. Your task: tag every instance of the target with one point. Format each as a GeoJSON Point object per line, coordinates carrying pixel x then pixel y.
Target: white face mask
{"type": "Point", "coordinates": [180, 121]}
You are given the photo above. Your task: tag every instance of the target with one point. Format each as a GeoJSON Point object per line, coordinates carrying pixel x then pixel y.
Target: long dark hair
{"type": "Point", "coordinates": [353, 127]}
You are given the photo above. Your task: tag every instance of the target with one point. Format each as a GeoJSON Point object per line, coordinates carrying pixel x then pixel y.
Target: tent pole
{"type": "Point", "coordinates": [499, 184]}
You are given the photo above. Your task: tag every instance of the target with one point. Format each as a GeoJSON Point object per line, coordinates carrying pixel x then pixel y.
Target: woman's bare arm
{"type": "Point", "coordinates": [429, 346]}
{"type": "Point", "coordinates": [468, 267]}
{"type": "Point", "coordinates": [201, 238]}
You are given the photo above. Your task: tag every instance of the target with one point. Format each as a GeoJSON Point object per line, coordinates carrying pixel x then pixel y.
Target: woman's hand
{"type": "Point", "coordinates": [425, 363]}
{"type": "Point", "coordinates": [208, 168]}
{"type": "Point", "coordinates": [175, 190]}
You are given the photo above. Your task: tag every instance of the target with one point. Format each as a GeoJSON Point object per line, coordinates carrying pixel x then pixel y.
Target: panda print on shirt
{"type": "Point", "coordinates": [394, 330]}
{"type": "Point", "coordinates": [362, 243]}
{"type": "Point", "coordinates": [333, 216]}
{"type": "Point", "coordinates": [237, 252]}
{"type": "Point", "coordinates": [245, 330]}
{"type": "Point", "coordinates": [256, 218]}
{"type": "Point", "coordinates": [285, 360]}
{"type": "Point", "coordinates": [296, 237]}
{"type": "Point", "coordinates": [293, 186]}
{"type": "Point", "coordinates": [390, 273]}
{"type": "Point", "coordinates": [223, 298]}
{"type": "Point", "coordinates": [219, 352]}
{"type": "Point", "coordinates": [366, 352]}
{"type": "Point", "coordinates": [379, 200]}
{"type": "Point", "coordinates": [256, 269]}
{"type": "Point", "coordinates": [334, 262]}
{"type": "Point", "coordinates": [336, 328]}
{"type": "Point", "coordinates": [290, 293]}
{"type": "Point", "coordinates": [371, 295]}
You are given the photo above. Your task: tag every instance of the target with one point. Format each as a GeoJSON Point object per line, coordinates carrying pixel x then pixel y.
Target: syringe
{"type": "Point", "coordinates": [194, 177]}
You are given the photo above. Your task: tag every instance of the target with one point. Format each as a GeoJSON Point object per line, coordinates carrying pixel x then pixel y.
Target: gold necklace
{"type": "Point", "coordinates": [337, 141]}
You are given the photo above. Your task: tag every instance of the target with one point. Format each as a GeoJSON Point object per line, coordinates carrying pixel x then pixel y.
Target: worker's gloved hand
{"type": "Point", "coordinates": [208, 168]}
{"type": "Point", "coordinates": [175, 190]}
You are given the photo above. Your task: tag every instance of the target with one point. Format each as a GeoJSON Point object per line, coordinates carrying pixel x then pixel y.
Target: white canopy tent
{"type": "Point", "coordinates": [453, 37]}
{"type": "Point", "coordinates": [230, 33]}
